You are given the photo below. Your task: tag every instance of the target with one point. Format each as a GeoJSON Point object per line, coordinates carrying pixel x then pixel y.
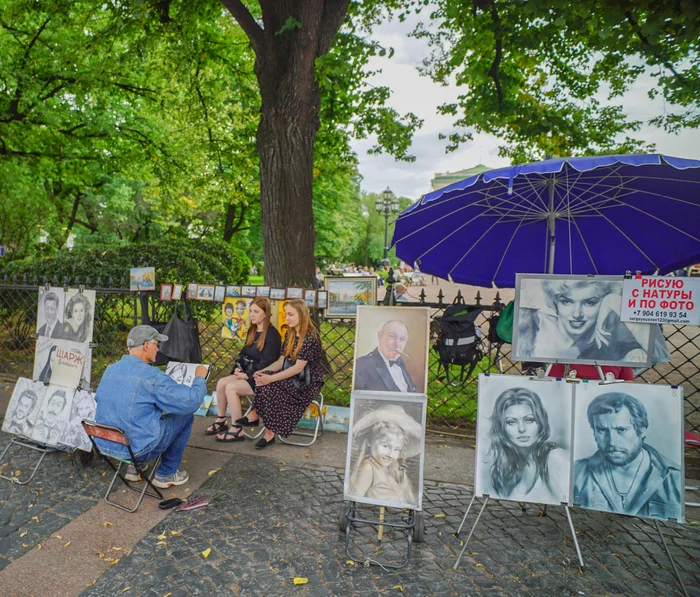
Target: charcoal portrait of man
{"type": "Point", "coordinates": [626, 475]}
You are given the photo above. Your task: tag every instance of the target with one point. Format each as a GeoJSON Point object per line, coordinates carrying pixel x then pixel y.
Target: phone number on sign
{"type": "Point", "coordinates": [661, 316]}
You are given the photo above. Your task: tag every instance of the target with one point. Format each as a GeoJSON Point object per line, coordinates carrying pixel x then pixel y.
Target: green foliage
{"type": "Point", "coordinates": [534, 73]}
{"type": "Point", "coordinates": [186, 260]}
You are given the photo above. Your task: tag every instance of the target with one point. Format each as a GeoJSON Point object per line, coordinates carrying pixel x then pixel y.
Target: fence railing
{"type": "Point", "coordinates": [451, 402]}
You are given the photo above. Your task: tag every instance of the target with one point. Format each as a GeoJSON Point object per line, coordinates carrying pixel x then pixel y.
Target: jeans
{"type": "Point", "coordinates": [171, 445]}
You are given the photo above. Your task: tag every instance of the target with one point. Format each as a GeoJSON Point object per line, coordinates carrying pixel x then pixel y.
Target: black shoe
{"type": "Point", "coordinates": [263, 443]}
{"type": "Point", "coordinates": [244, 422]}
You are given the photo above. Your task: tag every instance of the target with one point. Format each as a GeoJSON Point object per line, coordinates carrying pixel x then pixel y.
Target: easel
{"type": "Point", "coordinates": [541, 376]}
{"type": "Point", "coordinates": [43, 449]}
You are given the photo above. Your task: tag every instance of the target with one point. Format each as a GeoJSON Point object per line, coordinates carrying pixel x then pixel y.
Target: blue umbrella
{"type": "Point", "coordinates": [587, 215]}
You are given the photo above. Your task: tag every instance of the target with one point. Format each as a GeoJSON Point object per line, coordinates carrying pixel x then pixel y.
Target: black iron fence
{"type": "Point", "coordinates": [451, 400]}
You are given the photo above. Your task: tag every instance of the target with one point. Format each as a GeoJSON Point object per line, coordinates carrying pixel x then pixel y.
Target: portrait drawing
{"type": "Point", "coordinates": [384, 464]}
{"type": "Point", "coordinates": [53, 415]}
{"type": "Point", "coordinates": [391, 349]}
{"type": "Point", "coordinates": [50, 312]}
{"type": "Point", "coordinates": [628, 450]}
{"type": "Point", "coordinates": [74, 435]}
{"type": "Point", "coordinates": [23, 409]}
{"type": "Point", "coordinates": [78, 316]}
{"type": "Point", "coordinates": [576, 319]}
{"type": "Point", "coordinates": [523, 439]}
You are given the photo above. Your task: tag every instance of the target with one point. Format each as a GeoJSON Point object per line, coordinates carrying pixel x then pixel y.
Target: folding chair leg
{"type": "Point", "coordinates": [318, 429]}
{"type": "Point", "coordinates": [142, 492]}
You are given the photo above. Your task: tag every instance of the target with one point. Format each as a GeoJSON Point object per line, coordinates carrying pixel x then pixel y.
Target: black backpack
{"type": "Point", "coordinates": [458, 343]}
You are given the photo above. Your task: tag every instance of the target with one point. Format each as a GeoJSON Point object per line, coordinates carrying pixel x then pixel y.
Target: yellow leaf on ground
{"type": "Point", "coordinates": [168, 594]}
{"type": "Point", "coordinates": [18, 473]}
{"type": "Point", "coordinates": [161, 537]}
{"type": "Point", "coordinates": [107, 524]}
{"type": "Point", "coordinates": [67, 544]}
{"type": "Point", "coordinates": [56, 537]}
{"type": "Point", "coordinates": [206, 552]}
{"type": "Point", "coordinates": [441, 515]}
{"type": "Point", "coordinates": [38, 546]}
{"type": "Point", "coordinates": [90, 584]}
{"type": "Point", "coordinates": [126, 589]}
{"type": "Point", "coordinates": [350, 563]}
{"type": "Point", "coordinates": [23, 534]}
{"type": "Point", "coordinates": [307, 455]}
{"type": "Point", "coordinates": [216, 470]}
{"type": "Point", "coordinates": [162, 543]}
{"type": "Point", "coordinates": [102, 555]}
{"type": "Point", "coordinates": [175, 533]}
{"type": "Point", "coordinates": [25, 545]}
{"type": "Point", "coordinates": [117, 549]}
{"type": "Point", "coordinates": [298, 580]}
{"type": "Point", "coordinates": [36, 518]}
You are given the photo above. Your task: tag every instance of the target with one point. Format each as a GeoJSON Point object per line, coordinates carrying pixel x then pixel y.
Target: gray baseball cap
{"type": "Point", "coordinates": [141, 334]}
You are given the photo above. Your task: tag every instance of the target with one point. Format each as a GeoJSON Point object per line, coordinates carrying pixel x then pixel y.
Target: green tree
{"type": "Point", "coordinates": [533, 72]}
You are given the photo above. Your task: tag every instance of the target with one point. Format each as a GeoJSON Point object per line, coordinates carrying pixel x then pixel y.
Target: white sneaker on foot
{"type": "Point", "coordinates": [132, 475]}
{"type": "Point", "coordinates": [179, 478]}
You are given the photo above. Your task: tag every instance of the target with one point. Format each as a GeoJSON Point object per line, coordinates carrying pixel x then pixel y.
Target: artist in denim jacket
{"type": "Point", "coordinates": [155, 412]}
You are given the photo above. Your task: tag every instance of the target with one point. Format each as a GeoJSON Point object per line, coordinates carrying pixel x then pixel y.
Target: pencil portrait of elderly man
{"type": "Point", "coordinates": [626, 475]}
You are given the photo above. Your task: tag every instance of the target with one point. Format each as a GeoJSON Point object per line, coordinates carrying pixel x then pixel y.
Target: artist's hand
{"type": "Point", "coordinates": [201, 371]}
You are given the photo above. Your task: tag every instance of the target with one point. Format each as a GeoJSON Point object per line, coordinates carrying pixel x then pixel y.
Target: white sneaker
{"type": "Point", "coordinates": [132, 475]}
{"type": "Point", "coordinates": [179, 478]}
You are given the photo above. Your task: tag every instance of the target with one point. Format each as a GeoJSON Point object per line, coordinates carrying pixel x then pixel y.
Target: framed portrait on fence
{"type": "Point", "coordinates": [310, 297]}
{"type": "Point", "coordinates": [628, 450]}
{"type": "Point", "coordinates": [391, 349]}
{"type": "Point", "coordinates": [345, 295]}
{"type": "Point", "coordinates": [79, 315]}
{"type": "Point", "coordinates": [52, 301]}
{"type": "Point", "coordinates": [523, 439]}
{"type": "Point", "coordinates": [233, 291]}
{"type": "Point", "coordinates": [177, 292]}
{"type": "Point", "coordinates": [322, 299]}
{"type": "Point", "coordinates": [166, 292]}
{"type": "Point", "coordinates": [263, 291]}
{"type": "Point", "coordinates": [576, 319]}
{"type": "Point", "coordinates": [294, 292]}
{"type": "Point", "coordinates": [23, 409]}
{"type": "Point", "coordinates": [278, 294]}
{"type": "Point", "coordinates": [386, 445]}
{"type": "Point", "coordinates": [205, 292]}
{"type": "Point", "coordinates": [192, 291]}
{"type": "Point", "coordinates": [248, 291]}
{"type": "Point", "coordinates": [220, 294]}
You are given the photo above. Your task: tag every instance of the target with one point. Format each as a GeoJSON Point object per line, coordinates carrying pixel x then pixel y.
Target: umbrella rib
{"type": "Point", "coordinates": [585, 245]}
{"type": "Point", "coordinates": [495, 273]}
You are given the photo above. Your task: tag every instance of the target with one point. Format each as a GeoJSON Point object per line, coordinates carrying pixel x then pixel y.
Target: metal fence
{"type": "Point", "coordinates": [451, 402]}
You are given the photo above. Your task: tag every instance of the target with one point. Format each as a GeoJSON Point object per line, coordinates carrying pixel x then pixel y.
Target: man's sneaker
{"type": "Point", "coordinates": [132, 475]}
{"type": "Point", "coordinates": [179, 478]}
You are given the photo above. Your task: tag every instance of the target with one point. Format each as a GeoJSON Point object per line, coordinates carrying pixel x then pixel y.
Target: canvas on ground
{"type": "Point", "coordinates": [53, 415]}
{"type": "Point", "coordinates": [576, 319]}
{"type": "Point", "coordinates": [523, 437]}
{"type": "Point", "coordinates": [386, 440]}
{"type": "Point", "coordinates": [23, 409]}
{"type": "Point", "coordinates": [628, 449]}
{"type": "Point", "coordinates": [73, 434]}
{"type": "Point", "coordinates": [391, 349]}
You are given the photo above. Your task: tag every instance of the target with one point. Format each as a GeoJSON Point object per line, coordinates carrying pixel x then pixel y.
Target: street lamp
{"type": "Point", "coordinates": [387, 204]}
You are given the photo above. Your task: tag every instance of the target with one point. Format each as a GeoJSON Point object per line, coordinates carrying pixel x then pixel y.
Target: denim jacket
{"type": "Point", "coordinates": [135, 397]}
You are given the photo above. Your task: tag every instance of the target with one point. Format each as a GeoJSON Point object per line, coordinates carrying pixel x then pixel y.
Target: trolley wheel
{"type": "Point", "coordinates": [343, 518]}
{"type": "Point", "coordinates": [419, 528]}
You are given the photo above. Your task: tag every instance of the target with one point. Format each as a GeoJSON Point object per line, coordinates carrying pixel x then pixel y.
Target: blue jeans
{"type": "Point", "coordinates": [171, 445]}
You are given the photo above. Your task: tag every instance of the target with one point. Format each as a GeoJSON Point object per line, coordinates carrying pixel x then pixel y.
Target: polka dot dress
{"type": "Point", "coordinates": [279, 403]}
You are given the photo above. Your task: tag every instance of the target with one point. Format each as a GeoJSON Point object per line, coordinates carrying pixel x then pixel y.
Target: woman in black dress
{"type": "Point", "coordinates": [278, 399]}
{"type": "Point", "coordinates": [262, 346]}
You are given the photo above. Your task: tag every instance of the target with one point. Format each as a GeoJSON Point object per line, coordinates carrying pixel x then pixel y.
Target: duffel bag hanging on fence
{"type": "Point", "coordinates": [458, 343]}
{"type": "Point", "coordinates": [183, 337]}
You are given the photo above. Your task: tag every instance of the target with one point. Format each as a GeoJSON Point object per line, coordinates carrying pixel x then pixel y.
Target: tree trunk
{"type": "Point", "coordinates": [295, 33]}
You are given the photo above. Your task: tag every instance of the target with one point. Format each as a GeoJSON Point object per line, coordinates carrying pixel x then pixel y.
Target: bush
{"type": "Point", "coordinates": [182, 261]}
{"type": "Point", "coordinates": [260, 267]}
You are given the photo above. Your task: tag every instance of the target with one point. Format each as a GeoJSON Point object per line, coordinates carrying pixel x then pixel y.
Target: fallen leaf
{"type": "Point", "coordinates": [281, 462]}
{"type": "Point", "coordinates": [35, 518]}
{"type": "Point", "coordinates": [126, 589]}
{"type": "Point", "coordinates": [67, 544]}
{"type": "Point", "coordinates": [441, 515]}
{"type": "Point", "coordinates": [25, 545]}
{"type": "Point", "coordinates": [116, 549]}
{"type": "Point", "coordinates": [102, 555]}
{"type": "Point", "coordinates": [175, 533]}
{"type": "Point", "coordinates": [18, 473]}
{"type": "Point", "coordinates": [437, 467]}
{"type": "Point", "coordinates": [216, 470]}
{"type": "Point", "coordinates": [443, 446]}
{"type": "Point", "coordinates": [161, 537]}
{"type": "Point", "coordinates": [90, 584]}
{"type": "Point", "coordinates": [104, 474]}
{"type": "Point", "coordinates": [162, 543]}
{"type": "Point", "coordinates": [107, 524]}
{"type": "Point", "coordinates": [38, 546]}
{"type": "Point", "coordinates": [258, 491]}
{"type": "Point", "coordinates": [23, 534]}
{"type": "Point", "coordinates": [168, 594]}
{"type": "Point", "coordinates": [206, 552]}
{"type": "Point", "coordinates": [298, 580]}
{"type": "Point", "coordinates": [282, 470]}
{"type": "Point", "coordinates": [56, 537]}
{"type": "Point", "coordinates": [307, 455]}
{"type": "Point", "coordinates": [350, 563]}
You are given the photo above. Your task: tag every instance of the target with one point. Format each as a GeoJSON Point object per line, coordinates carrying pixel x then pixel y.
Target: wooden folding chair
{"type": "Point", "coordinates": [116, 435]}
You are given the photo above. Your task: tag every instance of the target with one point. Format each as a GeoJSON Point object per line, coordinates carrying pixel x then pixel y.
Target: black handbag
{"type": "Point", "coordinates": [302, 378]}
{"type": "Point", "coordinates": [246, 364]}
{"type": "Point", "coordinates": [183, 337]}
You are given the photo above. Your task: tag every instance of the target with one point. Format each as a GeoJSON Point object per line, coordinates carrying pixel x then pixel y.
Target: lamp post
{"type": "Point", "coordinates": [386, 204]}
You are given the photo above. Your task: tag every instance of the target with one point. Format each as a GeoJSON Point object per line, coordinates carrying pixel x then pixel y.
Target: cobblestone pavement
{"type": "Point", "coordinates": [61, 490]}
{"type": "Point", "coordinates": [271, 522]}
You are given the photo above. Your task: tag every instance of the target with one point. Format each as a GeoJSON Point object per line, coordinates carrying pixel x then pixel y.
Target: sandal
{"type": "Point", "coordinates": [246, 422]}
{"type": "Point", "coordinates": [230, 436]}
{"type": "Point", "coordinates": [218, 427]}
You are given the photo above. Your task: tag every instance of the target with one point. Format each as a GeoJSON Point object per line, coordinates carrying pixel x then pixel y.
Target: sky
{"type": "Point", "coordinates": [418, 94]}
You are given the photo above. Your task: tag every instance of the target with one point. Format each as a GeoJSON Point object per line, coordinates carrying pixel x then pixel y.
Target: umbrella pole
{"type": "Point", "coordinates": [551, 224]}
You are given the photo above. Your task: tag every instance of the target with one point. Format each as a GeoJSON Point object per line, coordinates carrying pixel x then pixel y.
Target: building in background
{"type": "Point", "coordinates": [442, 180]}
